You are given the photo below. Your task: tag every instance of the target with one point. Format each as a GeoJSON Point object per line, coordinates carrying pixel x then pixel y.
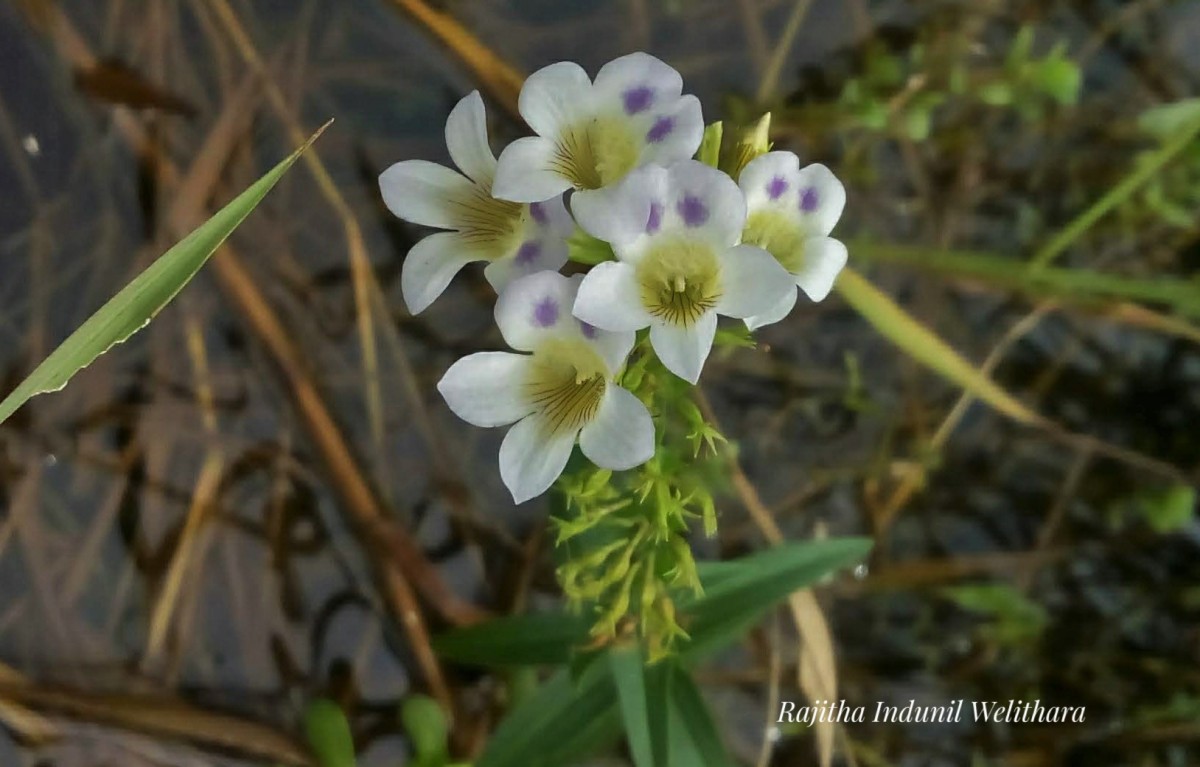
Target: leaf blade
{"type": "Point", "coordinates": [132, 308]}
{"type": "Point", "coordinates": [925, 346]}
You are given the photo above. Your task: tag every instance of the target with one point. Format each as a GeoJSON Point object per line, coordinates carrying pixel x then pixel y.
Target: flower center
{"type": "Point", "coordinates": [680, 281]}
{"type": "Point", "coordinates": [566, 384]}
{"type": "Point", "coordinates": [780, 236]}
{"type": "Point", "coordinates": [490, 226]}
{"type": "Point", "coordinates": [596, 152]}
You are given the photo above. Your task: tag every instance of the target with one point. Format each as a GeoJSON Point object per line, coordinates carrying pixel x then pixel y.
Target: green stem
{"type": "Point", "coordinates": [1069, 284]}
{"type": "Point", "coordinates": [1117, 195]}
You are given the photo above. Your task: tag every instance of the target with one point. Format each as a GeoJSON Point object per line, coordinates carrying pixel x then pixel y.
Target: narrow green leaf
{"type": "Point", "coordinates": [562, 722]}
{"type": "Point", "coordinates": [923, 345]}
{"type": "Point", "coordinates": [328, 734]}
{"type": "Point", "coordinates": [531, 639]}
{"type": "Point", "coordinates": [143, 298]}
{"type": "Point", "coordinates": [738, 594]}
{"type": "Point", "coordinates": [694, 740]}
{"type": "Point", "coordinates": [628, 669]}
{"type": "Point", "coordinates": [428, 732]}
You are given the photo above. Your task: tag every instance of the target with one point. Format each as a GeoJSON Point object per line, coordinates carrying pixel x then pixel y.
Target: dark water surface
{"type": "Point", "coordinates": [275, 604]}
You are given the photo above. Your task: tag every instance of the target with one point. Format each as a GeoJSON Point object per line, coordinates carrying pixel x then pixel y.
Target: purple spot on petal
{"type": "Point", "coordinates": [538, 212]}
{"type": "Point", "coordinates": [589, 331]}
{"type": "Point", "coordinates": [809, 199]}
{"type": "Point", "coordinates": [776, 188]}
{"type": "Point", "coordinates": [654, 220]}
{"type": "Point", "coordinates": [692, 210]}
{"type": "Point", "coordinates": [661, 129]}
{"type": "Point", "coordinates": [528, 253]}
{"type": "Point", "coordinates": [638, 99]}
{"type": "Point", "coordinates": [545, 312]}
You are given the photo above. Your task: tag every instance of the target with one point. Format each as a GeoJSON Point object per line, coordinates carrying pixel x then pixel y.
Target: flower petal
{"type": "Point", "coordinates": [430, 266]}
{"type": "Point", "coordinates": [683, 350]}
{"type": "Point", "coordinates": [534, 307]}
{"type": "Point", "coordinates": [610, 298]}
{"type": "Point", "coordinates": [675, 133]}
{"type": "Point", "coordinates": [751, 281]}
{"type": "Point", "coordinates": [621, 214]}
{"type": "Point", "coordinates": [639, 81]}
{"type": "Point", "coordinates": [821, 198]}
{"type": "Point", "coordinates": [824, 259]}
{"type": "Point", "coordinates": [551, 216]}
{"type": "Point", "coordinates": [487, 389]}
{"type": "Point", "coordinates": [775, 313]}
{"type": "Point", "coordinates": [524, 172]}
{"type": "Point", "coordinates": [613, 345]}
{"type": "Point", "coordinates": [467, 139]}
{"type": "Point", "coordinates": [705, 203]}
{"type": "Point", "coordinates": [548, 253]}
{"type": "Point", "coordinates": [771, 178]}
{"type": "Point", "coordinates": [622, 435]}
{"type": "Point", "coordinates": [555, 96]}
{"type": "Point", "coordinates": [424, 192]}
{"type": "Point", "coordinates": [532, 457]}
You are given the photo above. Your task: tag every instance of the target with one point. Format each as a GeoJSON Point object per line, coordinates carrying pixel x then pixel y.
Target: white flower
{"type": "Point", "coordinates": [791, 211]}
{"type": "Point", "coordinates": [562, 390]}
{"type": "Point", "coordinates": [515, 239]}
{"type": "Point", "coordinates": [591, 135]}
{"type": "Point", "coordinates": [675, 232]}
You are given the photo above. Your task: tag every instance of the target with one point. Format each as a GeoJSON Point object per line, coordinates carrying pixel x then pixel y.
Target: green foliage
{"type": "Point", "coordinates": [1164, 509]}
{"type": "Point", "coordinates": [710, 146]}
{"type": "Point", "coordinates": [902, 93]}
{"type": "Point", "coordinates": [1013, 619]}
{"type": "Point", "coordinates": [428, 732]}
{"type": "Point", "coordinates": [141, 300]}
{"type": "Point", "coordinates": [328, 734]}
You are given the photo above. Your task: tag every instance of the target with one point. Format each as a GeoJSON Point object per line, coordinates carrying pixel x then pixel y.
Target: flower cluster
{"type": "Point", "coordinates": [685, 242]}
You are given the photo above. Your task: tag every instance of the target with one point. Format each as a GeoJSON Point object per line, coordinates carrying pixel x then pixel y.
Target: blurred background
{"type": "Point", "coordinates": [218, 521]}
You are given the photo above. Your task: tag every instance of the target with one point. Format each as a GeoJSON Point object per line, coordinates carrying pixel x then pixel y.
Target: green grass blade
{"type": "Point", "coordinates": [1072, 285]}
{"type": "Point", "coordinates": [628, 671]}
{"type": "Point", "coordinates": [533, 639]}
{"type": "Point", "coordinates": [328, 734]}
{"type": "Point", "coordinates": [694, 740]}
{"type": "Point", "coordinates": [737, 594]}
{"type": "Point", "coordinates": [134, 306]}
{"type": "Point", "coordinates": [561, 723]}
{"type": "Point", "coordinates": [925, 346]}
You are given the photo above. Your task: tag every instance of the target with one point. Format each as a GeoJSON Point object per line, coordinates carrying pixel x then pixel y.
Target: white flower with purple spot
{"type": "Point", "coordinates": [675, 232]}
{"type": "Point", "coordinates": [590, 135]}
{"type": "Point", "coordinates": [560, 391]}
{"type": "Point", "coordinates": [514, 239]}
{"type": "Point", "coordinates": [790, 213]}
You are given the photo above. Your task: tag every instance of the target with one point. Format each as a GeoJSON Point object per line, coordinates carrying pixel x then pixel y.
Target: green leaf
{"type": "Point", "coordinates": [328, 734]}
{"type": "Point", "coordinates": [427, 730]}
{"type": "Point", "coordinates": [693, 738]}
{"type": "Point", "coordinates": [997, 93]}
{"type": "Point", "coordinates": [1060, 79]}
{"type": "Point", "coordinates": [561, 723]}
{"type": "Point", "coordinates": [628, 669]}
{"type": "Point", "coordinates": [737, 594]}
{"type": "Point", "coordinates": [710, 146]}
{"type": "Point", "coordinates": [1167, 120]}
{"type": "Point", "coordinates": [926, 347]}
{"type": "Point", "coordinates": [134, 306]}
{"type": "Point", "coordinates": [535, 638]}
{"type": "Point", "coordinates": [1169, 510]}
{"type": "Point", "coordinates": [1015, 618]}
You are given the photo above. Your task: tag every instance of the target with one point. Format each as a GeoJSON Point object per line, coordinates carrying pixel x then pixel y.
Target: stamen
{"type": "Point", "coordinates": [680, 282]}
